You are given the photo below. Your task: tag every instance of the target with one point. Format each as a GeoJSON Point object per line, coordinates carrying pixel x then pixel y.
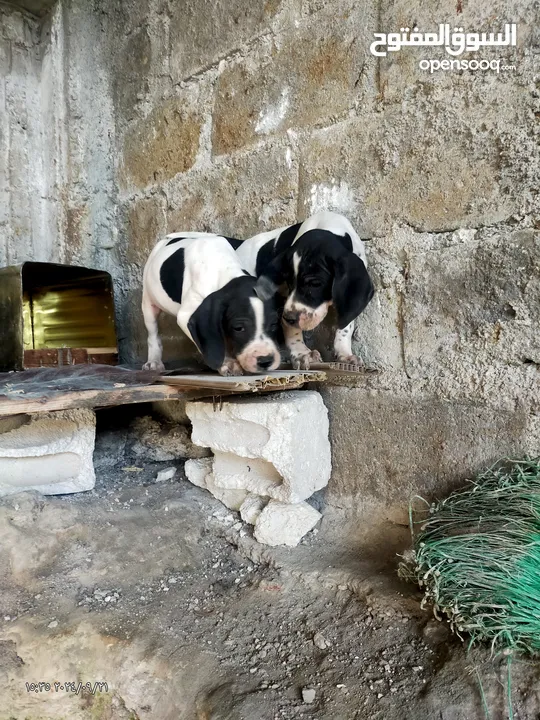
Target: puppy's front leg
{"type": "Point", "coordinates": [301, 355]}
{"type": "Point", "coordinates": [343, 345]}
{"type": "Point", "coordinates": [230, 367]}
{"type": "Point", "coordinates": [151, 314]}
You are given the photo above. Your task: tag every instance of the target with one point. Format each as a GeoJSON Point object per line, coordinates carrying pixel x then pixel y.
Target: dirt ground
{"type": "Point", "coordinates": [157, 590]}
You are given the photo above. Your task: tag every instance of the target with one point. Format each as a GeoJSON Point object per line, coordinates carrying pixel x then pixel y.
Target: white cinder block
{"type": "Point", "coordinates": [51, 453]}
{"type": "Point", "coordinates": [286, 434]}
{"type": "Point", "coordinates": [252, 507]}
{"type": "Point", "coordinates": [284, 524]}
{"type": "Point", "coordinates": [199, 472]}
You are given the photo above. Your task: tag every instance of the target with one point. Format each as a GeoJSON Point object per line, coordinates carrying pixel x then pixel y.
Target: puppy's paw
{"type": "Point", "coordinates": [349, 359]}
{"type": "Point", "coordinates": [302, 361]}
{"type": "Point", "coordinates": [230, 368]}
{"type": "Point", "coordinates": [158, 366]}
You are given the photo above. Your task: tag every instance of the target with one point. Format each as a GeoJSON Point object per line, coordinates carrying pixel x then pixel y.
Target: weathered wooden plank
{"type": "Point", "coordinates": [88, 398]}
{"type": "Point", "coordinates": [276, 380]}
{"type": "Point", "coordinates": [48, 389]}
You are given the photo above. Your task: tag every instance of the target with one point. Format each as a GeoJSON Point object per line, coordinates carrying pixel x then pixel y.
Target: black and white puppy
{"type": "Point", "coordinates": [323, 262]}
{"type": "Point", "coordinates": [230, 315]}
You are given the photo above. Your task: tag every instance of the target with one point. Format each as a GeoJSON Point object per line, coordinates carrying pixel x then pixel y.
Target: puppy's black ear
{"type": "Point", "coordinates": [265, 288]}
{"type": "Point", "coordinates": [352, 288]}
{"type": "Point", "coordinates": [206, 328]}
{"type": "Point", "coordinates": [278, 270]}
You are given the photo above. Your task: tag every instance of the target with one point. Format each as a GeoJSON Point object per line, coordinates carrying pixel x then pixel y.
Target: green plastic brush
{"type": "Point", "coordinates": [477, 558]}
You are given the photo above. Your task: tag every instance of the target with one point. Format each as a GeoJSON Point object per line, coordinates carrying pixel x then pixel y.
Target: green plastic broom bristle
{"type": "Point", "coordinates": [477, 558]}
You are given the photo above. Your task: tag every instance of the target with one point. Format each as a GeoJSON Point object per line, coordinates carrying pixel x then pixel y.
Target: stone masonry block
{"type": "Point", "coordinates": [163, 144]}
{"type": "Point", "coordinates": [204, 31]}
{"type": "Point", "coordinates": [50, 453]}
{"type": "Point", "coordinates": [246, 194]}
{"type": "Point", "coordinates": [315, 74]}
{"type": "Point", "coordinates": [286, 431]}
{"type": "Point", "coordinates": [378, 175]}
{"type": "Point", "coordinates": [283, 524]}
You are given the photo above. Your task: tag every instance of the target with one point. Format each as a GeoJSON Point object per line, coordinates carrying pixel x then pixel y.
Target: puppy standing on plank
{"type": "Point", "coordinates": [323, 263]}
{"type": "Point", "coordinates": [230, 316]}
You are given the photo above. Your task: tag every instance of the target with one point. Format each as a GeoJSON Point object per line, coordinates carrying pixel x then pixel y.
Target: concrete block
{"type": "Point", "coordinates": [199, 472]}
{"type": "Point", "coordinates": [163, 144]}
{"type": "Point", "coordinates": [204, 32]}
{"type": "Point", "coordinates": [252, 507]}
{"type": "Point", "coordinates": [283, 524]}
{"type": "Point", "coordinates": [248, 193]}
{"type": "Point", "coordinates": [50, 453]}
{"type": "Point", "coordinates": [315, 75]}
{"type": "Point", "coordinates": [285, 434]}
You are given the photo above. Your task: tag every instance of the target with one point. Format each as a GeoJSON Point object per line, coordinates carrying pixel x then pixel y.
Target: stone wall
{"type": "Point", "coordinates": [30, 145]}
{"type": "Point", "coordinates": [241, 116]}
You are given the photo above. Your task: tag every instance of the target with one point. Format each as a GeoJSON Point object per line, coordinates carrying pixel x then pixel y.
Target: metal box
{"type": "Point", "coordinates": [54, 315]}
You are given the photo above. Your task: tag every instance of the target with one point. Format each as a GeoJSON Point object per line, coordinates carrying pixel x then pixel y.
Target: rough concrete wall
{"type": "Point", "coordinates": [240, 116]}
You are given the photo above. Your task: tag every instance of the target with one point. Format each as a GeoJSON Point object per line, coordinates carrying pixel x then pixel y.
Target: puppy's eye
{"type": "Point", "coordinates": [238, 328]}
{"type": "Point", "coordinates": [314, 282]}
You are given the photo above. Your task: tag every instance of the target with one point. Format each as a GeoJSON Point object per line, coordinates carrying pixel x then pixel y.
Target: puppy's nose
{"type": "Point", "coordinates": [264, 361]}
{"type": "Point", "coordinates": [290, 317]}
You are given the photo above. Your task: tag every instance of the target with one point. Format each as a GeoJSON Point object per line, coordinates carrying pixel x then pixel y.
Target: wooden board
{"type": "Point", "coordinates": [47, 389]}
{"type": "Point", "coordinates": [276, 380]}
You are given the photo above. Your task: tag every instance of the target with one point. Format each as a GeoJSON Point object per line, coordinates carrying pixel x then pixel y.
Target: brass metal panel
{"type": "Point", "coordinates": [11, 318]}
{"type": "Point", "coordinates": [45, 306]}
{"type": "Point", "coordinates": [76, 316]}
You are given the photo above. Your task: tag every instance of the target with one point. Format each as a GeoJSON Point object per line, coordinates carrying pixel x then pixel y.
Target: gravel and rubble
{"type": "Point", "coordinates": [161, 592]}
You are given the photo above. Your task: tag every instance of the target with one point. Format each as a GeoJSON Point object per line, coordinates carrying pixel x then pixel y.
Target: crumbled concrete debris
{"type": "Point", "coordinates": [170, 618]}
{"type": "Point", "coordinates": [199, 472]}
{"type": "Point", "coordinates": [285, 524]}
{"type": "Point", "coordinates": [51, 453]}
{"type": "Point", "coordinates": [153, 440]}
{"type": "Point", "coordinates": [320, 641]}
{"type": "Point", "coordinates": [252, 507]}
{"type": "Point", "coordinates": [308, 695]}
{"type": "Point", "coordinates": [286, 435]}
{"type": "Point", "coordinates": [166, 474]}
{"type": "Point", "coordinates": [232, 499]}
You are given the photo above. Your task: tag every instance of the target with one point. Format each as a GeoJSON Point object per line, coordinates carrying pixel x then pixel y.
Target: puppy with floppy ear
{"type": "Point", "coordinates": [230, 315]}
{"type": "Point", "coordinates": [323, 263]}
{"type": "Point", "coordinates": [352, 288]}
{"type": "Point", "coordinates": [208, 332]}
{"type": "Point", "coordinates": [239, 321]}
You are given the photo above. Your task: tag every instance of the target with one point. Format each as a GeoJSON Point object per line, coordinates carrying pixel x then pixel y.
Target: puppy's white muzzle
{"type": "Point", "coordinates": [301, 316]}
{"type": "Point", "coordinates": [259, 356]}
